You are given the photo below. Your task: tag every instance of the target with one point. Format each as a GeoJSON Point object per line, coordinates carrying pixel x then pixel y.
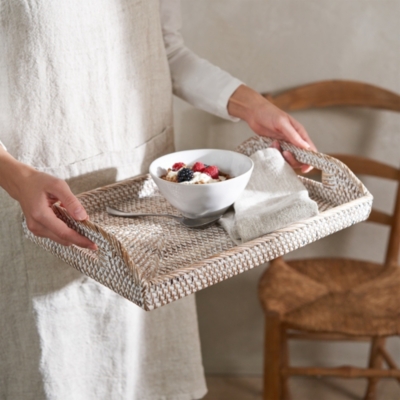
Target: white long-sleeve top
{"type": "Point", "coordinates": [194, 79]}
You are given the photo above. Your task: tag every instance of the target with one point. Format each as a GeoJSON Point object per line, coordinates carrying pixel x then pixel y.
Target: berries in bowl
{"type": "Point", "coordinates": [196, 174]}
{"type": "Point", "coordinates": [209, 180]}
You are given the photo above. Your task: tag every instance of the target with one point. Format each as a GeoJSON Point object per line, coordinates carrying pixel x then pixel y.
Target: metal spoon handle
{"type": "Point", "coordinates": [119, 213]}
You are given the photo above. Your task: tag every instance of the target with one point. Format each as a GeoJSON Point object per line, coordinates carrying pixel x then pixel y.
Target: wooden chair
{"type": "Point", "coordinates": [334, 298]}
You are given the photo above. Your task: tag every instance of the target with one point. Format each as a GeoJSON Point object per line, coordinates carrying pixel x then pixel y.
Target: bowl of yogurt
{"type": "Point", "coordinates": [202, 182]}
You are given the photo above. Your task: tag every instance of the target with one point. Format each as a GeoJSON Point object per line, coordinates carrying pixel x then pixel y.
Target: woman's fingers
{"type": "Point", "coordinates": [306, 168]}
{"type": "Point", "coordinates": [289, 157]}
{"type": "Point", "coordinates": [299, 137]}
{"type": "Point", "coordinates": [292, 135]}
{"type": "Point", "coordinates": [275, 145]}
{"type": "Point", "coordinates": [63, 193]}
{"type": "Point", "coordinates": [36, 192]}
{"type": "Point", "coordinates": [302, 132]}
{"type": "Point", "coordinates": [46, 224]}
{"type": "Point", "coordinates": [37, 195]}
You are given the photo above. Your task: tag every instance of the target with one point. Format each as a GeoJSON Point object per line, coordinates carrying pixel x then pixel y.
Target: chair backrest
{"type": "Point", "coordinates": [355, 94]}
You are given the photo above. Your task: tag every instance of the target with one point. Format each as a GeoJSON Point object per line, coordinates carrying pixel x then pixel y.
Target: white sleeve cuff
{"type": "Point", "coordinates": [224, 97]}
{"type": "Point", "coordinates": [2, 145]}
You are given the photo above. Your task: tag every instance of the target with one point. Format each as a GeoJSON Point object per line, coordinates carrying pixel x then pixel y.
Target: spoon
{"type": "Point", "coordinates": [202, 222]}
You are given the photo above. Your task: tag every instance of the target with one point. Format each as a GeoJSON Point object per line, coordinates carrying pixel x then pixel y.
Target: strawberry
{"type": "Point", "coordinates": [211, 170]}
{"type": "Point", "coordinates": [198, 167]}
{"type": "Point", "coordinates": [178, 166]}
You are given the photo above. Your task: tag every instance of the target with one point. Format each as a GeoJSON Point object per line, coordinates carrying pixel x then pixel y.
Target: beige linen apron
{"type": "Point", "coordinates": [85, 95]}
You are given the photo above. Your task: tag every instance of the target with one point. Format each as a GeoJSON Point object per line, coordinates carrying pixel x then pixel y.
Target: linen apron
{"type": "Point", "coordinates": [85, 95]}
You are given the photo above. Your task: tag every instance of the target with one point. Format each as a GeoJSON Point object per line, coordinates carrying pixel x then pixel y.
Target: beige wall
{"type": "Point", "coordinates": [272, 45]}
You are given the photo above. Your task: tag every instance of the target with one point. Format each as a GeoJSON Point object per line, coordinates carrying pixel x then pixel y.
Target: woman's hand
{"type": "Point", "coordinates": [265, 119]}
{"type": "Point", "coordinates": [36, 192]}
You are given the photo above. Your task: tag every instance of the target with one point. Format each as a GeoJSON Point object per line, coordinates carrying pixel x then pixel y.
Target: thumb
{"type": "Point", "coordinates": [70, 202]}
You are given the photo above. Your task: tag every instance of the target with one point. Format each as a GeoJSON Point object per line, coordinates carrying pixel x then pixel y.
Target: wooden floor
{"type": "Point", "coordinates": [227, 387]}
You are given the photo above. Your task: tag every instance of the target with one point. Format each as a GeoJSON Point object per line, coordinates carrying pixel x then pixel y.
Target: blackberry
{"type": "Point", "coordinates": [185, 174]}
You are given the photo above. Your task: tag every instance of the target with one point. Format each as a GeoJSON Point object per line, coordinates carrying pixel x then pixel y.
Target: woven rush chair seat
{"type": "Point", "coordinates": [345, 296]}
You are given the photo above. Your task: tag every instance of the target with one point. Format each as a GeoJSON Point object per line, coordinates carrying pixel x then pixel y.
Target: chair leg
{"type": "Point", "coordinates": [272, 357]}
{"type": "Point", "coordinates": [375, 361]}
{"type": "Point", "coordinates": [284, 364]}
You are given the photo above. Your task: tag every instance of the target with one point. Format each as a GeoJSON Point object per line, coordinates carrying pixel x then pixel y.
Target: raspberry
{"type": "Point", "coordinates": [198, 167]}
{"type": "Point", "coordinates": [185, 174]}
{"type": "Point", "coordinates": [211, 170]}
{"type": "Point", "coordinates": [177, 166]}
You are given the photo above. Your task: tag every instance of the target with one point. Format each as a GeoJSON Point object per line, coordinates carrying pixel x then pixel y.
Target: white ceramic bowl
{"type": "Point", "coordinates": [210, 199]}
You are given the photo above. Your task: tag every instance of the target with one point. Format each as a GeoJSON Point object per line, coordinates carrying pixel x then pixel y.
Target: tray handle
{"type": "Point", "coordinates": [336, 176]}
{"type": "Point", "coordinates": [111, 260]}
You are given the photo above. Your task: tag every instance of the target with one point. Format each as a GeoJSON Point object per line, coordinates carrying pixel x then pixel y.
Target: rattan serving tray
{"type": "Point", "coordinates": [154, 261]}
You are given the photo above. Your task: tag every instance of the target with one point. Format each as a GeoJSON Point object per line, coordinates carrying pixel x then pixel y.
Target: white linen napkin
{"type": "Point", "coordinates": [273, 198]}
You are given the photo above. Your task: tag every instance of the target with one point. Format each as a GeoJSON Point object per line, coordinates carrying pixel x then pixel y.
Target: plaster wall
{"type": "Point", "coordinates": [272, 45]}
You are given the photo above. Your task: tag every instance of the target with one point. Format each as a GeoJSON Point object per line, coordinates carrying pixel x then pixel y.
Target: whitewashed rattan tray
{"type": "Point", "coordinates": [153, 261]}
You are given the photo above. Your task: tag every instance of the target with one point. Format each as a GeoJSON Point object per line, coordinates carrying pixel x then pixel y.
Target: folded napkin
{"type": "Point", "coordinates": [274, 198]}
